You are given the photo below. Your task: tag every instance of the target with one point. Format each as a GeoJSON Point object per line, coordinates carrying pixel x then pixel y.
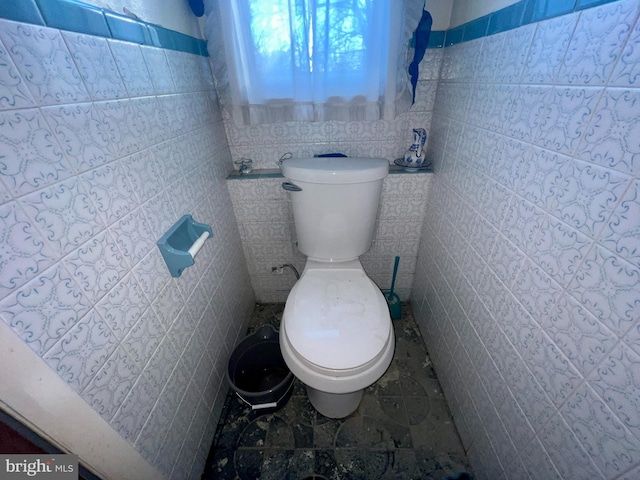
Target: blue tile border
{"type": "Point", "coordinates": [126, 28]}
{"type": "Point", "coordinates": [80, 17]}
{"type": "Point", "coordinates": [506, 19]}
{"type": "Point", "coordinates": [516, 15]}
{"type": "Point", "coordinates": [21, 11]}
{"type": "Point", "coordinates": [476, 28]}
{"type": "Point", "coordinates": [436, 39]}
{"type": "Point", "coordinates": [74, 16]}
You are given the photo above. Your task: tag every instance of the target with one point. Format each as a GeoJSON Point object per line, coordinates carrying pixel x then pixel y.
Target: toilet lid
{"type": "Point", "coordinates": [337, 319]}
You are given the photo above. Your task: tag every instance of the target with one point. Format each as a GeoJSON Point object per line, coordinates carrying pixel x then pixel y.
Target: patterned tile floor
{"type": "Point", "coordinates": [401, 430]}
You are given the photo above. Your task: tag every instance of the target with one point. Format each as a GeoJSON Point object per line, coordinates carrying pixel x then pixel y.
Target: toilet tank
{"type": "Point", "coordinates": [335, 209]}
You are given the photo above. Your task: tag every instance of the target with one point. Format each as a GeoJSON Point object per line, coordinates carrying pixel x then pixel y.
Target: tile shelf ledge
{"type": "Point", "coordinates": [276, 173]}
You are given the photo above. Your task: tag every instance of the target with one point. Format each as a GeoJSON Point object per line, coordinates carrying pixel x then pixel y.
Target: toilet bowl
{"type": "Point", "coordinates": [336, 334]}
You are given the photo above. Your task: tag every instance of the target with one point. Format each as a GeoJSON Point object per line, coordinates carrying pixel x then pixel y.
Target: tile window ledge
{"type": "Point", "coordinates": [276, 173]}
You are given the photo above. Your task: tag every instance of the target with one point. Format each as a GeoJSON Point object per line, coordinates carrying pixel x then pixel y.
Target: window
{"type": "Point", "coordinates": [310, 51]}
{"type": "Point", "coordinates": [307, 59]}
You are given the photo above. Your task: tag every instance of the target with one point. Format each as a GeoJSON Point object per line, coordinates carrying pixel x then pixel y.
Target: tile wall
{"type": "Point", "coordinates": [265, 219]}
{"type": "Point", "coordinates": [527, 286]}
{"type": "Point", "coordinates": [262, 207]}
{"type": "Point", "coordinates": [104, 144]}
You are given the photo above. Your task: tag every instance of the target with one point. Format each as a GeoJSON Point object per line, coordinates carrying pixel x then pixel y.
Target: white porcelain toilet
{"type": "Point", "coordinates": [336, 334]}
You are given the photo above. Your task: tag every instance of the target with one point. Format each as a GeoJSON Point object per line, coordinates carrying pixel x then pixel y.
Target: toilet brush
{"type": "Point", "coordinates": [395, 307]}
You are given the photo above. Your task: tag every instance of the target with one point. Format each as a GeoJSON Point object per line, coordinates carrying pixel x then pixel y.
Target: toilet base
{"type": "Point", "coordinates": [334, 405]}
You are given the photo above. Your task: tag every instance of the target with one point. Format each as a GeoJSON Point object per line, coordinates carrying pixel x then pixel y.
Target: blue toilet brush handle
{"type": "Point", "coordinates": [395, 272]}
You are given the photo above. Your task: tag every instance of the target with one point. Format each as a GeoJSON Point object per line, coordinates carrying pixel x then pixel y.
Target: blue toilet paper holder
{"type": "Point", "coordinates": [182, 242]}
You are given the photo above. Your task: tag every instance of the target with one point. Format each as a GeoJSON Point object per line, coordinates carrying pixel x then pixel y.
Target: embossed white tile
{"type": "Point", "coordinates": [548, 49]}
{"type": "Point", "coordinates": [133, 70]}
{"type": "Point", "coordinates": [631, 474]}
{"type": "Point", "coordinates": [505, 260]}
{"type": "Point", "coordinates": [622, 231]}
{"type": "Point", "coordinates": [159, 368]}
{"type": "Point", "coordinates": [110, 191]}
{"type": "Point", "coordinates": [522, 222]}
{"type": "Point", "coordinates": [176, 386]}
{"type": "Point", "coordinates": [160, 214]}
{"type": "Point", "coordinates": [559, 249]}
{"type": "Point", "coordinates": [513, 54]}
{"type": "Point", "coordinates": [13, 90]}
{"type": "Point", "coordinates": [152, 273]}
{"type": "Point", "coordinates": [563, 120]}
{"type": "Point", "coordinates": [123, 306]}
{"type": "Point", "coordinates": [611, 138]}
{"type": "Point", "coordinates": [495, 200]}
{"type": "Point", "coordinates": [133, 236]}
{"type": "Point", "coordinates": [530, 171]}
{"type": "Point", "coordinates": [143, 175]}
{"type": "Point", "coordinates": [580, 336]}
{"type": "Point", "coordinates": [30, 157]}
{"type": "Point", "coordinates": [97, 265]}
{"type": "Point", "coordinates": [565, 451]}
{"type": "Point", "coordinates": [108, 389]}
{"type": "Point", "coordinates": [143, 339]}
{"type": "Point", "coordinates": [616, 383]}
{"type": "Point", "coordinates": [490, 57]}
{"type": "Point", "coordinates": [632, 339]}
{"type": "Point", "coordinates": [43, 310]}
{"type": "Point", "coordinates": [155, 430]}
{"type": "Point", "coordinates": [532, 399]}
{"type": "Point", "coordinates": [627, 72]}
{"type": "Point", "coordinates": [526, 112]}
{"type": "Point", "coordinates": [181, 330]}
{"type": "Point", "coordinates": [78, 356]}
{"type": "Point", "coordinates": [82, 133]}
{"type": "Point", "coordinates": [119, 125]}
{"type": "Point", "coordinates": [96, 66]}
{"type": "Point", "coordinates": [25, 254]}
{"type": "Point", "coordinates": [608, 288]}
{"type": "Point", "coordinates": [134, 411]}
{"type": "Point", "coordinates": [146, 123]}
{"type": "Point", "coordinates": [552, 369]}
{"type": "Point", "coordinates": [587, 196]}
{"type": "Point", "coordinates": [44, 63]}
{"type": "Point", "coordinates": [597, 43]}
{"type": "Point", "coordinates": [158, 69]}
{"type": "Point", "coordinates": [607, 442]}
{"type": "Point", "coordinates": [515, 422]}
{"type": "Point", "coordinates": [518, 325]}
{"type": "Point", "coordinates": [537, 462]}
{"type": "Point", "coordinates": [194, 351]}
{"type": "Point", "coordinates": [536, 290]}
{"type": "Point", "coordinates": [64, 214]}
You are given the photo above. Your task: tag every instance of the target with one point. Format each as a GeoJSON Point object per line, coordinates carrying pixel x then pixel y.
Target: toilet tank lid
{"type": "Point", "coordinates": [335, 170]}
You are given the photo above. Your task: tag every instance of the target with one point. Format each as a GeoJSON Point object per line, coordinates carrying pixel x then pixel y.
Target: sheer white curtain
{"type": "Point", "coordinates": [311, 60]}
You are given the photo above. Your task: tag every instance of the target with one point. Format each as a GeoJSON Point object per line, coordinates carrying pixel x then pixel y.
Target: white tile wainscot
{"type": "Point", "coordinates": [265, 219]}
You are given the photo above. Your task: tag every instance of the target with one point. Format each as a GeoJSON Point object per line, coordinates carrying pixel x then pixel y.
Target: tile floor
{"type": "Point", "coordinates": [402, 429]}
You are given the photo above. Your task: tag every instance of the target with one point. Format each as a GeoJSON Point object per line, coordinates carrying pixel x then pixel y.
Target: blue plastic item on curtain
{"type": "Point", "coordinates": [421, 39]}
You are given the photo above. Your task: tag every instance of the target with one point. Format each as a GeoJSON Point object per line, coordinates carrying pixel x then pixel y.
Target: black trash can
{"type": "Point", "coordinates": [258, 373]}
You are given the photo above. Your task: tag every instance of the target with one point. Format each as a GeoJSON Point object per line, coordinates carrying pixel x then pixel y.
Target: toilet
{"type": "Point", "coordinates": [336, 334]}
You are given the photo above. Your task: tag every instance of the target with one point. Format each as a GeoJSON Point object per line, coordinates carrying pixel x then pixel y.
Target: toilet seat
{"type": "Point", "coordinates": [337, 320]}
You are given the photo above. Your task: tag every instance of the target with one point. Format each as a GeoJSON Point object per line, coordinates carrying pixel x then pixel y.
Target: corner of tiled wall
{"type": "Point", "coordinates": [104, 144]}
{"type": "Point", "coordinates": [526, 285]}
